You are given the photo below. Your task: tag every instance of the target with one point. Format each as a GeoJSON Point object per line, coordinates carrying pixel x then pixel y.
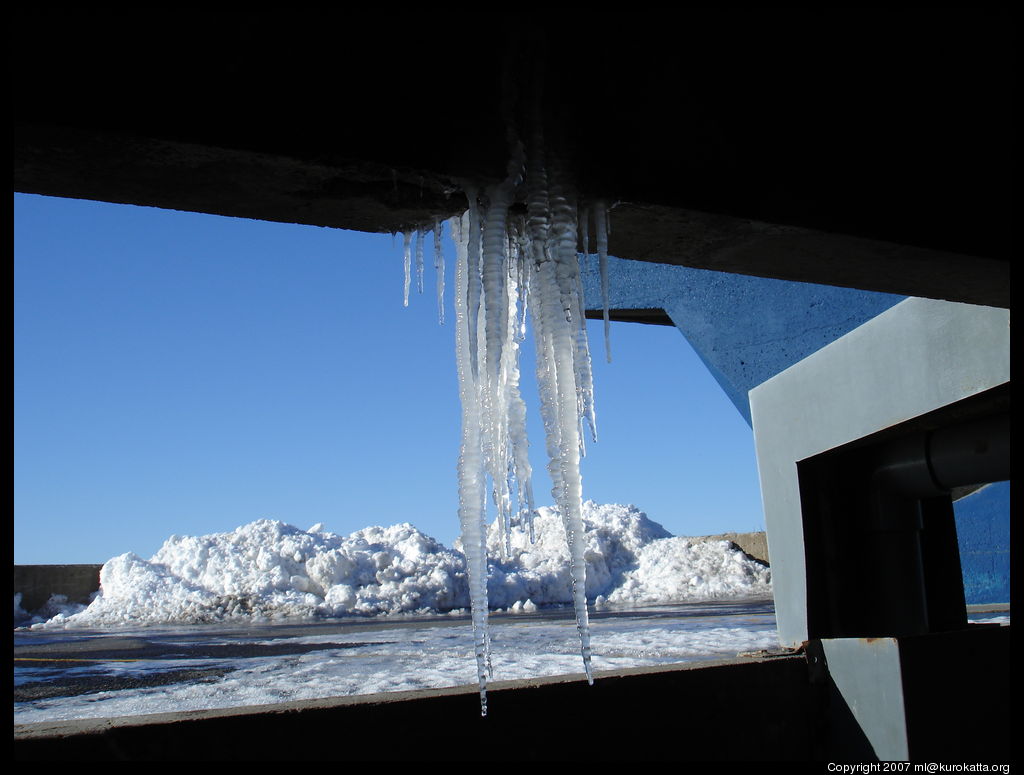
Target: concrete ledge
{"type": "Point", "coordinates": [37, 583]}
{"type": "Point", "coordinates": [740, 709]}
{"type": "Point", "coordinates": [754, 545]}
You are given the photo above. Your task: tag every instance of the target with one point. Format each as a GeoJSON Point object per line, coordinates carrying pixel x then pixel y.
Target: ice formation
{"type": "Point", "coordinates": [439, 269]}
{"type": "Point", "coordinates": [419, 261]}
{"type": "Point", "coordinates": [271, 570]}
{"type": "Point", "coordinates": [407, 261]}
{"type": "Point", "coordinates": [507, 264]}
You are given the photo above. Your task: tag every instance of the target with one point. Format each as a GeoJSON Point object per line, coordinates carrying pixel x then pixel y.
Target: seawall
{"type": "Point", "coordinates": [754, 545]}
{"type": "Point", "coordinates": [37, 583]}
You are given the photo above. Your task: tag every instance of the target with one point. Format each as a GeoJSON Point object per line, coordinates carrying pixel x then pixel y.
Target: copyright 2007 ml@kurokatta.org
{"type": "Point", "coordinates": [928, 767]}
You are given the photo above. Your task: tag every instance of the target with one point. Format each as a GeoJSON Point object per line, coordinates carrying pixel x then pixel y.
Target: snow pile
{"type": "Point", "coordinates": [631, 560]}
{"type": "Point", "coordinates": [268, 569]}
{"type": "Point", "coordinates": [682, 569]}
{"type": "Point", "coordinates": [271, 570]}
{"type": "Point", "coordinates": [539, 571]}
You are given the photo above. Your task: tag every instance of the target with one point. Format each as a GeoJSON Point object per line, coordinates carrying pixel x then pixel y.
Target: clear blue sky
{"type": "Point", "coordinates": [177, 373]}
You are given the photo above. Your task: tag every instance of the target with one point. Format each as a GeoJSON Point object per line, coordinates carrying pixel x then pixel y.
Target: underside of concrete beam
{"type": "Point", "coordinates": [866, 149]}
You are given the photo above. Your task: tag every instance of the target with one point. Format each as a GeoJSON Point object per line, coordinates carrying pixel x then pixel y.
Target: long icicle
{"type": "Point", "coordinates": [506, 266]}
{"type": "Point", "coordinates": [470, 466]}
{"type": "Point", "coordinates": [569, 368]}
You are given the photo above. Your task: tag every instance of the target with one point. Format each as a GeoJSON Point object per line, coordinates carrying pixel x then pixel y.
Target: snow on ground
{"type": "Point", "coordinates": [395, 658]}
{"type": "Point", "coordinates": [271, 570]}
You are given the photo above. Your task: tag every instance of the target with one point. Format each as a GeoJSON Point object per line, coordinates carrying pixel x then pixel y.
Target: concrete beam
{"type": "Point", "coordinates": [741, 246]}
{"type": "Point", "coordinates": [760, 142]}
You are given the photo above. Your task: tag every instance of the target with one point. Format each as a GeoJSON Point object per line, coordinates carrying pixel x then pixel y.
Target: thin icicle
{"type": "Point", "coordinates": [419, 260]}
{"type": "Point", "coordinates": [439, 269]}
{"type": "Point", "coordinates": [407, 257]}
{"type": "Point", "coordinates": [585, 229]}
{"type": "Point", "coordinates": [519, 469]}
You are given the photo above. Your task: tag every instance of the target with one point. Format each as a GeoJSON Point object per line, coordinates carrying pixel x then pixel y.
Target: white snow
{"type": "Point", "coordinates": [383, 657]}
{"type": "Point", "coordinates": [392, 658]}
{"type": "Point", "coordinates": [270, 570]}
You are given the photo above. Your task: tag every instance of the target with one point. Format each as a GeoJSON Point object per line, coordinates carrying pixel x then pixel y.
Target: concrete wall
{"type": "Point", "coordinates": [879, 376]}
{"type": "Point", "coordinates": [37, 583]}
{"type": "Point", "coordinates": [754, 545]}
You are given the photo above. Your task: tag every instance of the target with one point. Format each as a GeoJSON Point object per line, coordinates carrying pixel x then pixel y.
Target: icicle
{"type": "Point", "coordinates": [519, 469]}
{"type": "Point", "coordinates": [419, 260]}
{"type": "Point", "coordinates": [439, 269]}
{"type": "Point", "coordinates": [471, 233]}
{"type": "Point", "coordinates": [568, 368]}
{"type": "Point", "coordinates": [603, 226]}
{"type": "Point", "coordinates": [494, 273]}
{"type": "Point", "coordinates": [470, 468]}
{"type": "Point", "coordinates": [584, 236]}
{"type": "Point", "coordinates": [407, 256]}
{"type": "Point", "coordinates": [506, 266]}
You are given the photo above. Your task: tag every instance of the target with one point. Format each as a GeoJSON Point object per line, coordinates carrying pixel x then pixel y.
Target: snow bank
{"type": "Point", "coordinates": [631, 560]}
{"type": "Point", "coordinates": [268, 569]}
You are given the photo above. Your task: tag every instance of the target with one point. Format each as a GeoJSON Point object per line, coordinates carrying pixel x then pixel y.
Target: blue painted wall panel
{"type": "Point", "coordinates": [983, 532]}
{"type": "Point", "coordinates": [745, 329]}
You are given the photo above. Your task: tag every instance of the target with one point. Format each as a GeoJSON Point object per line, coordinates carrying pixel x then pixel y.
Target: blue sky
{"type": "Point", "coordinates": [177, 373]}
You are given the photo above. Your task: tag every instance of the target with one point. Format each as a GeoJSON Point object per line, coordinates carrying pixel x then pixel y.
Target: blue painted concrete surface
{"type": "Point", "coordinates": [745, 329]}
{"type": "Point", "coordinates": [983, 532]}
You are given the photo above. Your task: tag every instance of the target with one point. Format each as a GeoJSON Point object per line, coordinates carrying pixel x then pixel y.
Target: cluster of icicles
{"type": "Point", "coordinates": [508, 264]}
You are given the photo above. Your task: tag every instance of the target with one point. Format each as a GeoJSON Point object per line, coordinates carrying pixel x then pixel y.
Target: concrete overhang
{"type": "Point", "coordinates": [857, 147]}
